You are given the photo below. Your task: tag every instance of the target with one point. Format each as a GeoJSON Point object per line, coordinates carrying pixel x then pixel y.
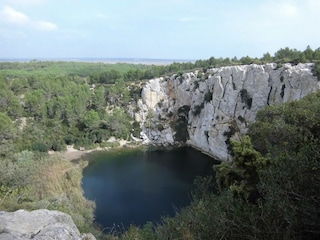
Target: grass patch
{"type": "Point", "coordinates": [56, 185]}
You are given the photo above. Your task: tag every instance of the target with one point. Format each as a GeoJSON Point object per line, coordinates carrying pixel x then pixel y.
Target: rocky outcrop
{"type": "Point", "coordinates": [206, 109]}
{"type": "Point", "coordinates": [39, 224]}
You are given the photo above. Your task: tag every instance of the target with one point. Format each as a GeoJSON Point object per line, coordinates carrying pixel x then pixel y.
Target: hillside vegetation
{"type": "Point", "coordinates": [269, 191]}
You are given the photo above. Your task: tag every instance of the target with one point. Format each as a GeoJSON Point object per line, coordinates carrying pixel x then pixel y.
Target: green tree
{"type": "Point", "coordinates": [246, 60]}
{"type": "Point", "coordinates": [91, 120]}
{"type": "Point", "coordinates": [308, 53]}
{"type": "Point", "coordinates": [288, 127]}
{"type": "Point", "coordinates": [99, 99]}
{"type": "Point", "coordinates": [34, 102]}
{"type": "Point", "coordinates": [266, 57]}
{"type": "Point", "coordinates": [8, 136]}
{"type": "Point", "coordinates": [241, 176]}
{"type": "Point", "coordinates": [14, 109]}
{"type": "Point", "coordinates": [316, 54]}
{"type": "Point", "coordinates": [7, 129]}
{"type": "Point", "coordinates": [119, 124]}
{"type": "Point", "coordinates": [118, 94]}
{"type": "Point", "coordinates": [18, 85]}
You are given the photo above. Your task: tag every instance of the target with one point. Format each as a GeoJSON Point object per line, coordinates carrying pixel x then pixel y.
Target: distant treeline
{"type": "Point", "coordinates": [284, 55]}
{"type": "Point", "coordinates": [110, 73]}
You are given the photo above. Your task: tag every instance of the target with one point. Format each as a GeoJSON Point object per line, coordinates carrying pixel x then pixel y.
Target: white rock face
{"type": "Point", "coordinates": [219, 101]}
{"type": "Point", "coordinates": [39, 225]}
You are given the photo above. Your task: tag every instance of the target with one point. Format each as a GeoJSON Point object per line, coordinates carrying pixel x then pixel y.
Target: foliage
{"type": "Point", "coordinates": [197, 109]}
{"type": "Point", "coordinates": [241, 175]}
{"type": "Point", "coordinates": [232, 129]}
{"type": "Point", "coordinates": [40, 147]}
{"type": "Point", "coordinates": [34, 181]}
{"type": "Point", "coordinates": [316, 69]}
{"type": "Point", "coordinates": [287, 127]}
{"type": "Point", "coordinates": [6, 127]}
{"type": "Point", "coordinates": [208, 97]}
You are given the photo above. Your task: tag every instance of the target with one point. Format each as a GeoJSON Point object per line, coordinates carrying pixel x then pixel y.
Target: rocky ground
{"type": "Point", "coordinates": [72, 153]}
{"type": "Point", "coordinates": [39, 224]}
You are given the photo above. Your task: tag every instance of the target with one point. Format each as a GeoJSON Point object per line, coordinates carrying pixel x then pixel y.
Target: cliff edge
{"type": "Point", "coordinates": [206, 108]}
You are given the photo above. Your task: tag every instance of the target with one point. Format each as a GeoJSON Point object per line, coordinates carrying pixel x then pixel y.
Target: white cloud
{"type": "Point", "coordinates": [46, 26]}
{"type": "Point", "coordinates": [10, 15]}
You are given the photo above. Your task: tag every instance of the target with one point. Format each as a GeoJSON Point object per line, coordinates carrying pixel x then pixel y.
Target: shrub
{"type": "Point", "coordinates": [184, 110]}
{"type": "Point", "coordinates": [228, 134]}
{"type": "Point", "coordinates": [39, 147]}
{"type": "Point", "coordinates": [160, 127]}
{"type": "Point", "coordinates": [241, 119]}
{"type": "Point", "coordinates": [195, 85]}
{"type": "Point", "coordinates": [281, 79]}
{"type": "Point", "coordinates": [136, 129]}
{"type": "Point", "coordinates": [316, 69]}
{"type": "Point", "coordinates": [197, 109]}
{"type": "Point", "coordinates": [208, 97]}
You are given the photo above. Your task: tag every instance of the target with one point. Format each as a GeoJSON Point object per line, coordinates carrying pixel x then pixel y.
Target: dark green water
{"type": "Point", "coordinates": [135, 186]}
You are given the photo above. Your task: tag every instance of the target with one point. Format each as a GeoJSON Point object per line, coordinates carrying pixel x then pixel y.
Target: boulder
{"type": "Point", "coordinates": [40, 224]}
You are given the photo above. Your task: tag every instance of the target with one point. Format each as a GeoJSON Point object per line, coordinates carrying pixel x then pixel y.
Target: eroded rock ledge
{"type": "Point", "coordinates": [39, 224]}
{"type": "Point", "coordinates": [206, 109]}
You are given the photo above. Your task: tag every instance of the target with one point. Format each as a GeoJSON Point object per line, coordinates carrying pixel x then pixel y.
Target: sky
{"type": "Point", "coordinates": [156, 29]}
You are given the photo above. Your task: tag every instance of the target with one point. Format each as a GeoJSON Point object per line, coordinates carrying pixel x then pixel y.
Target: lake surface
{"type": "Point", "coordinates": [136, 186]}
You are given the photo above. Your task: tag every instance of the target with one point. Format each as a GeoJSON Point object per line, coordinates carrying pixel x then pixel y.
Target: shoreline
{"type": "Point", "coordinates": [72, 153]}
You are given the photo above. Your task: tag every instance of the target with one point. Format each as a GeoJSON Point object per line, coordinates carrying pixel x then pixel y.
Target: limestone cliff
{"type": "Point", "coordinates": [39, 224]}
{"type": "Point", "coordinates": [205, 109]}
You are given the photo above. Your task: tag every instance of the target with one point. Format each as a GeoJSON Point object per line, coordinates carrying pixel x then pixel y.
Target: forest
{"type": "Point", "coordinates": [269, 191]}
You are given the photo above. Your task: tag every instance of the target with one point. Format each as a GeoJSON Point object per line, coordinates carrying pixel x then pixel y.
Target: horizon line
{"type": "Point", "coordinates": [95, 59]}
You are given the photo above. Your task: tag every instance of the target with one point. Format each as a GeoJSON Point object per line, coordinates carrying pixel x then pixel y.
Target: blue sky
{"type": "Point", "coordinates": [162, 29]}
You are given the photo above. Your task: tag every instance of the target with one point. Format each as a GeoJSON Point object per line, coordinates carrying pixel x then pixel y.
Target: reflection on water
{"type": "Point", "coordinates": [135, 186]}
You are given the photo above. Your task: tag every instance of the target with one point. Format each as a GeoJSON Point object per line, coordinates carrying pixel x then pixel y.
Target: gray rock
{"type": "Point", "coordinates": [40, 224]}
{"type": "Point", "coordinates": [233, 96]}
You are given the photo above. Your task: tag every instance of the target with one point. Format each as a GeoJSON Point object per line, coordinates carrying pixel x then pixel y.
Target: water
{"type": "Point", "coordinates": [135, 186]}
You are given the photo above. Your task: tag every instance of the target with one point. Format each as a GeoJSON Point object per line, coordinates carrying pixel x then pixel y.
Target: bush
{"type": "Point", "coordinates": [316, 69]}
{"type": "Point", "coordinates": [208, 97]}
{"type": "Point", "coordinates": [136, 129]}
{"type": "Point", "coordinates": [39, 147]}
{"type": "Point", "coordinates": [197, 109]}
